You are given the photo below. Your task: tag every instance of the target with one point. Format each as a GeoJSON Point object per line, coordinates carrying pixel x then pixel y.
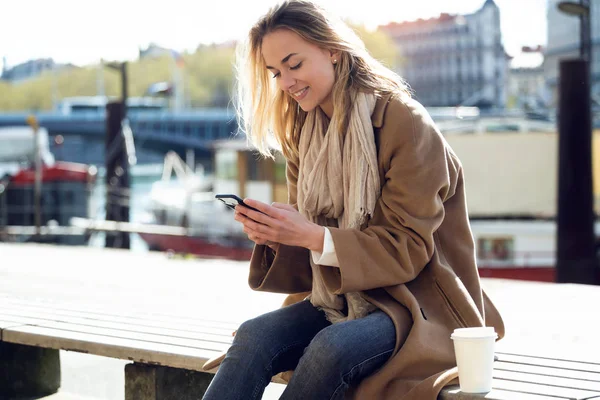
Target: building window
{"type": "Point", "coordinates": [495, 248]}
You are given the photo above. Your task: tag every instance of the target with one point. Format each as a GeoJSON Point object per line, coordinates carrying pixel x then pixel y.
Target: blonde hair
{"type": "Point", "coordinates": [264, 110]}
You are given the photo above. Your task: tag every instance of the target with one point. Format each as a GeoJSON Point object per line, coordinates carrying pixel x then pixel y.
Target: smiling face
{"type": "Point", "coordinates": [303, 70]}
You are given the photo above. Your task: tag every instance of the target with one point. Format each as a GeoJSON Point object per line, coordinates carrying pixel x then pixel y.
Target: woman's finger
{"type": "Point", "coordinates": [263, 230]}
{"type": "Point", "coordinates": [257, 216]}
{"type": "Point", "coordinates": [284, 206]}
{"type": "Point", "coordinates": [258, 240]}
{"type": "Point", "coordinates": [265, 212]}
{"type": "Point", "coordinates": [255, 236]}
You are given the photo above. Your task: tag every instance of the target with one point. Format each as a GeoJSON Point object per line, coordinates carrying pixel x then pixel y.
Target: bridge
{"type": "Point", "coordinates": [155, 132]}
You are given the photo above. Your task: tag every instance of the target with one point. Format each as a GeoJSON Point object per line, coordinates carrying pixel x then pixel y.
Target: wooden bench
{"type": "Point", "coordinates": [525, 377]}
{"type": "Point", "coordinates": [149, 310]}
{"type": "Point", "coordinates": [167, 352]}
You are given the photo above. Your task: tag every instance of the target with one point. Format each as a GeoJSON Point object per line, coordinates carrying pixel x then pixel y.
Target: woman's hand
{"type": "Point", "coordinates": [280, 223]}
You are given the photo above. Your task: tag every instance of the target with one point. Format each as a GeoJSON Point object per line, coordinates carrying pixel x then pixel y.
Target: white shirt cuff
{"type": "Point", "coordinates": [328, 257]}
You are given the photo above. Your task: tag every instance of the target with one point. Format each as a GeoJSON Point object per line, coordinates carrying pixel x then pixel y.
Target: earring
{"type": "Point", "coordinates": [335, 61]}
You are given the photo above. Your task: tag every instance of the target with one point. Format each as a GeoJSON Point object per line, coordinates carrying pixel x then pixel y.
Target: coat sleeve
{"type": "Point", "coordinates": [288, 270]}
{"type": "Point", "coordinates": [398, 241]}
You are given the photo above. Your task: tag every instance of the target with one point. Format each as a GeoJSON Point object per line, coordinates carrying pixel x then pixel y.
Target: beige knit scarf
{"type": "Point", "coordinates": [338, 178]}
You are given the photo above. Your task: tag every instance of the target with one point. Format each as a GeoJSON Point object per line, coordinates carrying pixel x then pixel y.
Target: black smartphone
{"type": "Point", "coordinates": [231, 200]}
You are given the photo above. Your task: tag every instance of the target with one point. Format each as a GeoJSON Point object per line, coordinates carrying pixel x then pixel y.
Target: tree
{"type": "Point", "coordinates": [380, 45]}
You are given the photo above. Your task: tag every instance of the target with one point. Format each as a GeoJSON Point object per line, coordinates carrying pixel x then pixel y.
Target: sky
{"type": "Point", "coordinates": [83, 31]}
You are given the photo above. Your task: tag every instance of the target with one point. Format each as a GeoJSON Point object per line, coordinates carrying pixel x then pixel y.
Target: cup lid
{"type": "Point", "coordinates": [474, 333]}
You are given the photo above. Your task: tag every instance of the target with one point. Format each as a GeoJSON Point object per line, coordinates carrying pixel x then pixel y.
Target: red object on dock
{"type": "Point", "coordinates": [60, 171]}
{"type": "Point", "coordinates": [200, 246]}
{"type": "Point", "coordinates": [536, 274]}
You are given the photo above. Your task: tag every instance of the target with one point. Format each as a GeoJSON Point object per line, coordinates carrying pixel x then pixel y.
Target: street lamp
{"type": "Point", "coordinates": [581, 10]}
{"type": "Point", "coordinates": [122, 68]}
{"type": "Point", "coordinates": [576, 259]}
{"type": "Point", "coordinates": [119, 154]}
{"type": "Point", "coordinates": [572, 8]}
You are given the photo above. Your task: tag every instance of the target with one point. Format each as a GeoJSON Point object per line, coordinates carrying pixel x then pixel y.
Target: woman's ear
{"type": "Point", "coordinates": [335, 56]}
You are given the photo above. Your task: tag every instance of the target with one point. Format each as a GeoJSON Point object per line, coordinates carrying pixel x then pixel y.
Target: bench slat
{"type": "Point", "coordinates": [44, 319]}
{"type": "Point", "coordinates": [536, 388]}
{"type": "Point", "coordinates": [547, 371]}
{"type": "Point", "coordinates": [9, 321]}
{"type": "Point", "coordinates": [122, 348]}
{"type": "Point", "coordinates": [148, 340]}
{"type": "Point", "coordinates": [582, 366]}
{"type": "Point", "coordinates": [132, 313]}
{"type": "Point", "coordinates": [8, 324]}
{"type": "Point", "coordinates": [548, 380]}
{"type": "Point", "coordinates": [115, 318]}
{"type": "Point", "coordinates": [454, 393]}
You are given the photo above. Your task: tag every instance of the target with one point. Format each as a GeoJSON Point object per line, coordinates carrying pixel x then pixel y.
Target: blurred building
{"type": "Point", "coordinates": [153, 50]}
{"type": "Point", "coordinates": [454, 59]}
{"type": "Point", "coordinates": [563, 42]}
{"type": "Point", "coordinates": [27, 70]}
{"type": "Point", "coordinates": [526, 84]}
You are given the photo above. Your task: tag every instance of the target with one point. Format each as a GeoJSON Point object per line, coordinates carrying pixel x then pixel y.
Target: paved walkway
{"type": "Point", "coordinates": [551, 319]}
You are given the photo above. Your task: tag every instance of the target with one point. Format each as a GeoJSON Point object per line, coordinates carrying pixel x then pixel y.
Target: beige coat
{"type": "Point", "coordinates": [415, 258]}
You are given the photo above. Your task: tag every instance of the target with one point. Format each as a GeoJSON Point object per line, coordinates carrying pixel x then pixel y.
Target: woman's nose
{"type": "Point", "coordinates": [286, 82]}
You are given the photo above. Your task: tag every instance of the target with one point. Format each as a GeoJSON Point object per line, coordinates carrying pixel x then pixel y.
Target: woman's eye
{"type": "Point", "coordinates": [276, 75]}
{"type": "Point", "coordinates": [297, 66]}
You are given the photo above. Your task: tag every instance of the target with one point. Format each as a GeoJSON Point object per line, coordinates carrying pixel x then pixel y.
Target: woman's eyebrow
{"type": "Point", "coordinates": [284, 60]}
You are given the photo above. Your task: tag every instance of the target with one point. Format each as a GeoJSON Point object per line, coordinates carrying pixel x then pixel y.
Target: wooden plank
{"type": "Point", "coordinates": [548, 380]}
{"type": "Point", "coordinates": [12, 322]}
{"type": "Point", "coordinates": [535, 388]}
{"type": "Point", "coordinates": [7, 324]}
{"type": "Point", "coordinates": [547, 371]}
{"type": "Point", "coordinates": [9, 321]}
{"type": "Point", "coordinates": [92, 308]}
{"type": "Point", "coordinates": [148, 341]}
{"type": "Point", "coordinates": [108, 317]}
{"type": "Point", "coordinates": [44, 319]}
{"type": "Point", "coordinates": [121, 348]}
{"type": "Point", "coordinates": [583, 366]}
{"type": "Point", "coordinates": [97, 305]}
{"type": "Point", "coordinates": [454, 393]}
{"type": "Point", "coordinates": [570, 346]}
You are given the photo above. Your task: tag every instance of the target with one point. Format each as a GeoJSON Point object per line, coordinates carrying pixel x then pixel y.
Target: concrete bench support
{"type": "Point", "coordinates": [27, 371]}
{"type": "Point", "coordinates": [153, 382]}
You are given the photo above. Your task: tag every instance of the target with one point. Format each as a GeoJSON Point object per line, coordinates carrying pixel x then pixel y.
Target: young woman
{"type": "Point", "coordinates": [375, 238]}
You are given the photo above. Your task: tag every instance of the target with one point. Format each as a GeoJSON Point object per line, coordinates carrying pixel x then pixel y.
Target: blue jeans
{"type": "Point", "coordinates": [327, 358]}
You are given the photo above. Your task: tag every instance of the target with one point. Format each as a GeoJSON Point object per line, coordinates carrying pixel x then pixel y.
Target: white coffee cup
{"type": "Point", "coordinates": [474, 350]}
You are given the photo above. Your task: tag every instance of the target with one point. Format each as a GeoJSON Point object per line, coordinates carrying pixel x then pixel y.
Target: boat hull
{"type": "Point", "coordinates": [536, 274]}
{"type": "Point", "coordinates": [241, 250]}
{"type": "Point", "coordinates": [229, 248]}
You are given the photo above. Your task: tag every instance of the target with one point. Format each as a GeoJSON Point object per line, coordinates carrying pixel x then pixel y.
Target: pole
{"type": "Point", "coordinates": [100, 79]}
{"type": "Point", "coordinates": [125, 179]}
{"type": "Point", "coordinates": [38, 183]}
{"type": "Point", "coordinates": [37, 188]}
{"type": "Point", "coordinates": [124, 95]}
{"type": "Point", "coordinates": [117, 178]}
{"type": "Point", "coordinates": [585, 32]}
{"type": "Point", "coordinates": [575, 261]}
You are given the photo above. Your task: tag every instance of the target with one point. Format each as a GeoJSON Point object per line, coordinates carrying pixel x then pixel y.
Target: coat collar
{"type": "Point", "coordinates": [379, 111]}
